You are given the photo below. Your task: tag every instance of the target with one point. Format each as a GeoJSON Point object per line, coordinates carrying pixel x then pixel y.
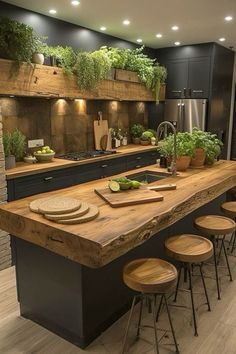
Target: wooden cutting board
{"type": "Point", "coordinates": [128, 197]}
{"type": "Point", "coordinates": [100, 130]}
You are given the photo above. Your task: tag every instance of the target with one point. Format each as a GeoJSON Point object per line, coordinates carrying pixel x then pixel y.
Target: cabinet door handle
{"type": "Point", "coordinates": [197, 91]}
{"type": "Point", "coordinates": [176, 91]}
{"type": "Point", "coordinates": [47, 179]}
{"type": "Point", "coordinates": [104, 166]}
{"type": "Point", "coordinates": [185, 92]}
{"type": "Point", "coordinates": [138, 158]}
{"type": "Point", "coordinates": [138, 166]}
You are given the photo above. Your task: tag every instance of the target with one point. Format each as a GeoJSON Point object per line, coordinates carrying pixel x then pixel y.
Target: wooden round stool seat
{"type": "Point", "coordinates": [150, 275]}
{"type": "Point", "coordinates": [189, 248]}
{"type": "Point", "coordinates": [215, 224]}
{"type": "Point", "coordinates": [229, 208]}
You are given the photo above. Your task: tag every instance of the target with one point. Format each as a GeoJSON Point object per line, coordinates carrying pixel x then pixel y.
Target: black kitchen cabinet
{"type": "Point", "coordinates": [25, 186]}
{"type": "Point", "coordinates": [188, 78]}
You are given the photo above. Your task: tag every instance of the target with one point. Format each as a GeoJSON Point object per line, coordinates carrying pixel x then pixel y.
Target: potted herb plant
{"type": "Point", "coordinates": [200, 139]}
{"type": "Point", "coordinates": [184, 149]}
{"type": "Point", "coordinates": [212, 148]}
{"type": "Point", "coordinates": [39, 50]}
{"type": "Point", "coordinates": [63, 57]}
{"type": "Point", "coordinates": [14, 146]}
{"type": "Point", "coordinates": [146, 137]}
{"type": "Point", "coordinates": [136, 132]}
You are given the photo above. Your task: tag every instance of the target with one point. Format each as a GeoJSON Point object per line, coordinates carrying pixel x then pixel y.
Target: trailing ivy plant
{"type": "Point", "coordinates": [102, 65]}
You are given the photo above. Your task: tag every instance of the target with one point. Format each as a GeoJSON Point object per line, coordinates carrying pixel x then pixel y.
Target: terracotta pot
{"type": "Point", "coordinates": [199, 159]}
{"type": "Point", "coordinates": [182, 163]}
{"type": "Point", "coordinates": [38, 58]}
{"type": "Point", "coordinates": [136, 140]}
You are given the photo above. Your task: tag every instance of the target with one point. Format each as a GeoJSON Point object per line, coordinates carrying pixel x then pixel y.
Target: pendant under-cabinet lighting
{"type": "Point", "coordinates": [103, 28]}
{"type": "Point", "coordinates": [174, 28]}
{"type": "Point", "coordinates": [222, 39]}
{"type": "Point", "coordinates": [126, 22]}
{"type": "Point", "coordinates": [158, 35]}
{"type": "Point", "coordinates": [139, 40]}
{"type": "Point", "coordinates": [177, 43]}
{"type": "Point", "coordinates": [228, 18]}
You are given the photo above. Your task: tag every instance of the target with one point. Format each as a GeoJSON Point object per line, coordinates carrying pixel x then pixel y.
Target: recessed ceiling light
{"type": "Point", "coordinates": [177, 43]}
{"type": "Point", "coordinates": [103, 28]}
{"type": "Point", "coordinates": [52, 11]}
{"type": "Point", "coordinates": [228, 18]}
{"type": "Point", "coordinates": [175, 28]}
{"type": "Point", "coordinates": [158, 35]}
{"type": "Point", "coordinates": [139, 40]}
{"type": "Point", "coordinates": [222, 39]}
{"type": "Point", "coordinates": [75, 3]}
{"type": "Point", "coordinates": [126, 22]}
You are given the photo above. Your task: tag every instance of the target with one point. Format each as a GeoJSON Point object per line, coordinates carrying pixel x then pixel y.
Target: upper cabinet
{"type": "Point", "coordinates": [48, 81]}
{"type": "Point", "coordinates": [189, 71]}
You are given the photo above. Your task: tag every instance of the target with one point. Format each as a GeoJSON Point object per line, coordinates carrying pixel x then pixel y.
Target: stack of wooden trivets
{"type": "Point", "coordinates": [64, 210]}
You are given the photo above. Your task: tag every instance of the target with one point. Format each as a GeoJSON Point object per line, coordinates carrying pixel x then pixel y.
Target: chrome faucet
{"type": "Point", "coordinates": [164, 124]}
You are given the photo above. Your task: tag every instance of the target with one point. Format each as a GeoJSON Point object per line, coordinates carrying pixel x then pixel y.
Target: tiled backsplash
{"type": "Point", "coordinates": [67, 125]}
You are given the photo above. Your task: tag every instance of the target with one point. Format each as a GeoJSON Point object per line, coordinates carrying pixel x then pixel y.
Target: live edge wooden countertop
{"type": "Point", "coordinates": [116, 230]}
{"type": "Point", "coordinates": [27, 169]}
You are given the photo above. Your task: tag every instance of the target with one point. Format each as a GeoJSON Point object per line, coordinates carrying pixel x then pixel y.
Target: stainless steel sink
{"type": "Point", "coordinates": [148, 176]}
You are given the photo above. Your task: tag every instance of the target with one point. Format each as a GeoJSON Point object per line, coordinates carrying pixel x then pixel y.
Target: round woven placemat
{"type": "Point", "coordinates": [90, 215]}
{"type": "Point", "coordinates": [84, 208]}
{"type": "Point", "coordinates": [59, 205]}
{"type": "Point", "coordinates": [34, 205]}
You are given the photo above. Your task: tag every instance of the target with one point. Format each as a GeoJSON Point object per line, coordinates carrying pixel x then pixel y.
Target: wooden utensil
{"type": "Point", "coordinates": [128, 197]}
{"type": "Point", "coordinates": [34, 205]}
{"type": "Point", "coordinates": [161, 187]}
{"type": "Point", "coordinates": [100, 129]}
{"type": "Point", "coordinates": [103, 142]}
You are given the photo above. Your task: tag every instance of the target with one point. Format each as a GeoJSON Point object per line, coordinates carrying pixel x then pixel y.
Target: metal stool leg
{"type": "Point", "coordinates": [234, 239]}
{"type": "Point", "coordinates": [140, 318]}
{"type": "Point", "coordinates": [171, 325]}
{"type": "Point", "coordinates": [159, 308]}
{"type": "Point", "coordinates": [193, 308]}
{"type": "Point", "coordinates": [226, 258]}
{"type": "Point", "coordinates": [154, 324]}
{"type": "Point", "coordinates": [216, 269]}
{"type": "Point", "coordinates": [177, 286]}
{"type": "Point", "coordinates": [205, 289]}
{"type": "Point", "coordinates": [128, 324]}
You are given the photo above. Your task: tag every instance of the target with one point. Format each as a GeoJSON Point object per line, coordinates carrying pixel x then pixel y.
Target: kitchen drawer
{"type": "Point", "coordinates": [112, 167]}
{"type": "Point", "coordinates": [141, 159]}
{"type": "Point", "coordinates": [44, 182]}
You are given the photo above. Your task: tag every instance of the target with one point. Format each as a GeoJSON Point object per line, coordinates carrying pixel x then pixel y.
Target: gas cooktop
{"type": "Point", "coordinates": [83, 155]}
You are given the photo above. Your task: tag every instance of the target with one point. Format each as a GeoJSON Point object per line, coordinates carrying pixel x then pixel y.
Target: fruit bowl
{"type": "Point", "coordinates": [44, 157]}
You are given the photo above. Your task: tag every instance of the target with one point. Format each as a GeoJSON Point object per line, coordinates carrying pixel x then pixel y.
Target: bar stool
{"type": "Point", "coordinates": [229, 208]}
{"type": "Point", "coordinates": [190, 249]}
{"type": "Point", "coordinates": [150, 277]}
{"type": "Point", "coordinates": [215, 226]}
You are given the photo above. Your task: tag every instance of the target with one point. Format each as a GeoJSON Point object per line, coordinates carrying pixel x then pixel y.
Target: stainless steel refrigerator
{"type": "Point", "coordinates": [186, 114]}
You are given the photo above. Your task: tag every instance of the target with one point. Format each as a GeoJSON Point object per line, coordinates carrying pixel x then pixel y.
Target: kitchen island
{"type": "Point", "coordinates": [69, 277]}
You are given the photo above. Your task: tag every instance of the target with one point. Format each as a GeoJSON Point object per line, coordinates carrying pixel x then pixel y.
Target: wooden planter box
{"type": "Point", "coordinates": [48, 81]}
{"type": "Point", "coordinates": [126, 75]}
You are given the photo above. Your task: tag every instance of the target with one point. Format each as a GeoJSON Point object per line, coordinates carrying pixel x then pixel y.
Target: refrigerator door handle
{"type": "Point", "coordinates": [182, 117]}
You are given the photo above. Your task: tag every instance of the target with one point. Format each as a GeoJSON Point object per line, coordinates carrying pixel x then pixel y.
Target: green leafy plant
{"type": "Point", "coordinates": [137, 130]}
{"type": "Point", "coordinates": [102, 65]}
{"type": "Point", "coordinates": [17, 41]}
{"type": "Point", "coordinates": [184, 145]}
{"type": "Point", "coordinates": [14, 144]}
{"type": "Point", "coordinates": [65, 57]}
{"type": "Point", "coordinates": [208, 142]}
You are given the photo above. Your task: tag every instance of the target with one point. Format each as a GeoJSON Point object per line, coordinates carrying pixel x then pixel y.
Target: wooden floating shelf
{"type": "Point", "coordinates": [49, 81]}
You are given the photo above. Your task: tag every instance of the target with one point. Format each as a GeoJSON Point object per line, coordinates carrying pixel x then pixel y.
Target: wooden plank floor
{"type": "Point", "coordinates": [217, 329]}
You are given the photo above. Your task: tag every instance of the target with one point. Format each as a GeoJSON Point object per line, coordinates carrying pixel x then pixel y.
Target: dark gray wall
{"type": "Point", "coordinates": [64, 33]}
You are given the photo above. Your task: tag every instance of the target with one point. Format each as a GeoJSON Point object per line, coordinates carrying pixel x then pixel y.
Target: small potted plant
{"type": "Point", "coordinates": [184, 149]}
{"type": "Point", "coordinates": [200, 139]}
{"type": "Point", "coordinates": [39, 50]}
{"type": "Point", "coordinates": [136, 132]}
{"type": "Point", "coordinates": [14, 146]}
{"type": "Point", "coordinates": [212, 148]}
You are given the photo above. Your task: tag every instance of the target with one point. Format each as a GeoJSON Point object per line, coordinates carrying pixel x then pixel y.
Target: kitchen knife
{"type": "Point", "coordinates": [161, 187]}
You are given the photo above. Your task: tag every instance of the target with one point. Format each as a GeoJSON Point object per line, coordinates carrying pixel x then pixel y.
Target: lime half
{"type": "Point", "coordinates": [114, 186]}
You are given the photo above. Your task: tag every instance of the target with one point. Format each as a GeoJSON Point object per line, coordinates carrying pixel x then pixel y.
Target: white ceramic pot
{"type": "Point", "coordinates": [38, 58]}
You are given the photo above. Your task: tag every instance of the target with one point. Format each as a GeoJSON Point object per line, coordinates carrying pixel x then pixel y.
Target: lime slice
{"type": "Point", "coordinates": [114, 186]}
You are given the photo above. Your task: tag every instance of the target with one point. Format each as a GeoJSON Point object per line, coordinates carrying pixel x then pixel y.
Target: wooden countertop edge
{"type": "Point", "coordinates": [58, 164]}
{"type": "Point", "coordinates": [96, 254]}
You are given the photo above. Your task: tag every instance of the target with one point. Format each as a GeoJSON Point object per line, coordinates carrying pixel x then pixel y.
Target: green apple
{"type": "Point", "coordinates": [51, 151]}
{"type": "Point", "coordinates": [39, 152]}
